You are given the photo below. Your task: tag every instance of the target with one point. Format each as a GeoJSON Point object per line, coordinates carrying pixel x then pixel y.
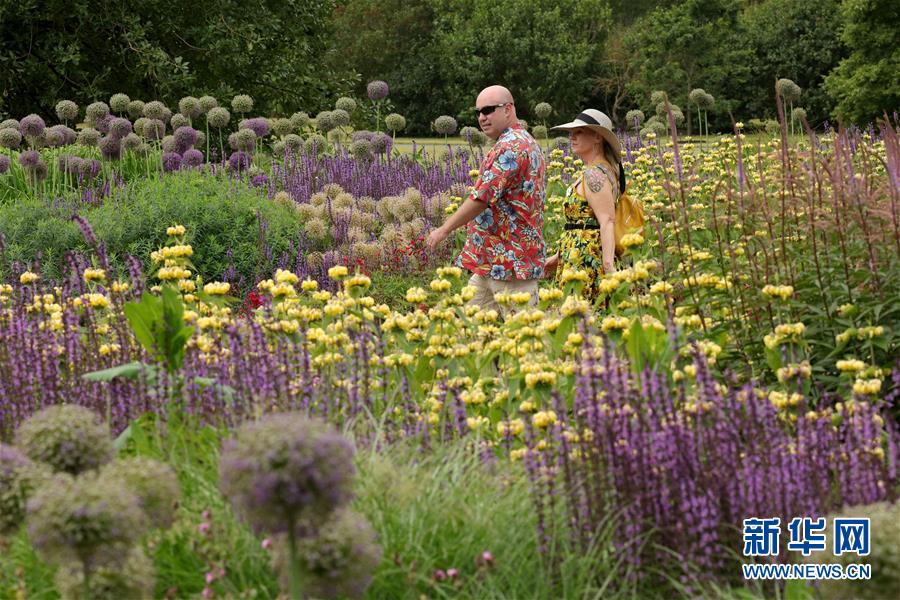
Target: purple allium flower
{"type": "Point", "coordinates": [192, 158]}
{"type": "Point", "coordinates": [361, 134]}
{"type": "Point", "coordinates": [10, 138]}
{"type": "Point", "coordinates": [18, 479]}
{"type": "Point", "coordinates": [96, 111]}
{"type": "Point", "coordinates": [337, 562]}
{"type": "Point", "coordinates": [119, 127]}
{"type": "Point", "coordinates": [111, 147]}
{"type": "Point", "coordinates": [66, 110]}
{"type": "Point", "coordinates": [4, 164]}
{"type": "Point", "coordinates": [259, 180]}
{"type": "Point", "coordinates": [189, 107]}
{"type": "Point", "coordinates": [285, 469]}
{"type": "Point", "coordinates": [184, 138]}
{"type": "Point", "coordinates": [90, 168]}
{"type": "Point", "coordinates": [155, 110]}
{"type": "Point", "coordinates": [381, 143]}
{"type": "Point", "coordinates": [32, 126]}
{"type": "Point", "coordinates": [69, 164]}
{"type": "Point", "coordinates": [68, 438]}
{"type": "Point", "coordinates": [154, 129]}
{"type": "Point", "coordinates": [171, 161]}
{"type": "Point", "coordinates": [118, 103]}
{"type": "Point", "coordinates": [29, 159]}
{"type": "Point", "coordinates": [68, 134]}
{"type": "Point", "coordinates": [102, 125]}
{"type": "Point", "coordinates": [89, 137]}
{"type": "Point", "coordinates": [259, 126]}
{"type": "Point", "coordinates": [239, 161]}
{"type": "Point", "coordinates": [377, 90]}
{"type": "Point", "coordinates": [90, 520]}
{"type": "Point", "coordinates": [154, 483]}
{"type": "Point", "coordinates": [242, 103]}
{"type": "Point", "coordinates": [218, 117]}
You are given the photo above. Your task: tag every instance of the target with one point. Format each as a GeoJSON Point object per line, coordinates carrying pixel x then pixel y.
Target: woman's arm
{"type": "Point", "coordinates": [600, 191]}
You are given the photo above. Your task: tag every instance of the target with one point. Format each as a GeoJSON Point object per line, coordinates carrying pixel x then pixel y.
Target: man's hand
{"type": "Point", "coordinates": [551, 265]}
{"type": "Point", "coordinates": [436, 237]}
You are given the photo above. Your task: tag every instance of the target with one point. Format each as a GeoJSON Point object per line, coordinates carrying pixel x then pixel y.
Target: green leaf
{"type": "Point", "coordinates": [122, 439]}
{"type": "Point", "coordinates": [127, 371]}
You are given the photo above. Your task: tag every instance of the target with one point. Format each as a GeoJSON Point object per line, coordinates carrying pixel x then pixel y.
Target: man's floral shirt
{"type": "Point", "coordinates": [506, 241]}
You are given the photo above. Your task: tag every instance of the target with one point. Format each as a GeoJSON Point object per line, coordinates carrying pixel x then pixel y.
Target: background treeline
{"type": "Point", "coordinates": [436, 54]}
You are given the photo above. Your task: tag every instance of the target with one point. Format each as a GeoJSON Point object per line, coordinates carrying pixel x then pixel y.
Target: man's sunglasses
{"type": "Point", "coordinates": [486, 110]}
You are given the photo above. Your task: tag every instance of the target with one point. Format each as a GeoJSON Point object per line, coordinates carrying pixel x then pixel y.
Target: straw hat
{"type": "Point", "coordinates": [599, 122]}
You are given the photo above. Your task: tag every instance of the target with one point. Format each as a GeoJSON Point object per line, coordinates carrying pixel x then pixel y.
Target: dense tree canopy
{"type": "Point", "coordinates": [436, 54]}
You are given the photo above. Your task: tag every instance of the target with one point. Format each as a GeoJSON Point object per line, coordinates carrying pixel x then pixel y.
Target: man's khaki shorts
{"type": "Point", "coordinates": [485, 288]}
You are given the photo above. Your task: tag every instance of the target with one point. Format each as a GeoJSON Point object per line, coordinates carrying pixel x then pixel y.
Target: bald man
{"type": "Point", "coordinates": [504, 214]}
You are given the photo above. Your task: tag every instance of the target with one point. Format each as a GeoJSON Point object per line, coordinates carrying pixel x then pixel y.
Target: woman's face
{"type": "Point", "coordinates": [584, 140]}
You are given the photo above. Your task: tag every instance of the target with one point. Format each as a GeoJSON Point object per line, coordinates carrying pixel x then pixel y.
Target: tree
{"type": "Point", "coordinates": [615, 74]}
{"type": "Point", "coordinates": [86, 50]}
{"type": "Point", "coordinates": [864, 85]}
{"type": "Point", "coordinates": [797, 40]}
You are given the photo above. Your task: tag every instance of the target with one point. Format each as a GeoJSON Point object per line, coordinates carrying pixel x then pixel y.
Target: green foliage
{"type": "Point", "coordinates": [693, 44]}
{"type": "Point", "coordinates": [158, 324]}
{"type": "Point", "coordinates": [796, 39]}
{"type": "Point", "coordinates": [89, 49]}
{"type": "Point", "coordinates": [220, 214]}
{"type": "Point", "coordinates": [864, 85]}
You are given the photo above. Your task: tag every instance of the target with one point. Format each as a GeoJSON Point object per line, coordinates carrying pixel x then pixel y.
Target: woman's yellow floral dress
{"type": "Point", "coordinates": [579, 244]}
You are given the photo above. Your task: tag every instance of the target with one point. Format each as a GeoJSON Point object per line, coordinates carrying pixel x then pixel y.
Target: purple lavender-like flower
{"type": "Point", "coordinates": [32, 126]}
{"type": "Point", "coordinates": [284, 469]}
{"type": "Point", "coordinates": [111, 147]}
{"type": "Point", "coordinates": [259, 126]}
{"type": "Point", "coordinates": [171, 161]}
{"type": "Point", "coordinates": [377, 90]}
{"type": "Point", "coordinates": [4, 164]}
{"type": "Point", "coordinates": [192, 158]}
{"type": "Point", "coordinates": [119, 127]}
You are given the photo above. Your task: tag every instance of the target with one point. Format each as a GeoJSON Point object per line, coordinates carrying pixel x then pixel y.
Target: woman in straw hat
{"type": "Point", "coordinates": [588, 240]}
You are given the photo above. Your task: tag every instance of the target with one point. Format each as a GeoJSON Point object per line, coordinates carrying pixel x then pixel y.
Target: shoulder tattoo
{"type": "Point", "coordinates": [596, 177]}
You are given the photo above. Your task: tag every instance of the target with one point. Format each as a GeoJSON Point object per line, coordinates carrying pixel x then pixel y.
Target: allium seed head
{"type": "Point", "coordinates": [539, 131]}
{"type": "Point", "coordinates": [10, 138]}
{"type": "Point", "coordinates": [285, 468]}
{"type": "Point", "coordinates": [131, 142]}
{"type": "Point", "coordinates": [282, 127]}
{"type": "Point", "coordinates": [395, 122]}
{"type": "Point", "coordinates": [381, 143]}
{"type": "Point", "coordinates": [154, 483]}
{"type": "Point", "coordinates": [293, 142]}
{"type": "Point", "coordinates": [316, 144]}
{"type": "Point", "coordinates": [155, 110]}
{"type": "Point", "coordinates": [337, 561]}
{"type": "Point", "coordinates": [325, 121]}
{"type": "Point", "coordinates": [189, 107]}
{"type": "Point", "coordinates": [154, 129]}
{"type": "Point", "coordinates": [361, 149]}
{"type": "Point", "coordinates": [242, 103]}
{"type": "Point", "coordinates": [89, 137]}
{"type": "Point", "coordinates": [96, 111]}
{"type": "Point", "coordinates": [89, 519]}
{"type": "Point", "coordinates": [134, 578]}
{"type": "Point", "coordinates": [18, 479]}
{"type": "Point", "coordinates": [341, 117]}
{"type": "Point", "coordinates": [136, 109]}
{"type": "Point", "coordinates": [788, 90]}
{"type": "Point", "coordinates": [346, 104]}
{"type": "Point", "coordinates": [377, 90]}
{"type": "Point", "coordinates": [53, 138]}
{"type": "Point", "coordinates": [66, 437]}
{"type": "Point", "coordinates": [118, 103]}
{"type": "Point", "coordinates": [542, 110]}
{"type": "Point", "coordinates": [179, 120]}
{"type": "Point", "coordinates": [66, 110]}
{"type": "Point", "coordinates": [300, 120]}
{"type": "Point", "coordinates": [445, 125]}
{"type": "Point", "coordinates": [634, 118]}
{"type": "Point", "coordinates": [218, 117]}
{"type": "Point", "coordinates": [207, 103]}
